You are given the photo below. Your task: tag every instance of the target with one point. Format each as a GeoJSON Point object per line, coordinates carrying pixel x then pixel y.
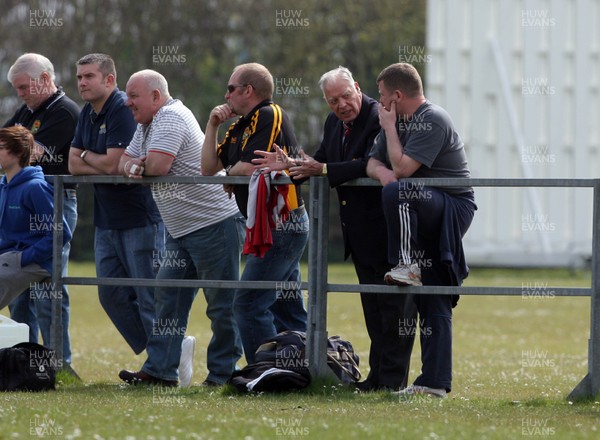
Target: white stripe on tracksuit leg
{"type": "Point", "coordinates": [404, 217]}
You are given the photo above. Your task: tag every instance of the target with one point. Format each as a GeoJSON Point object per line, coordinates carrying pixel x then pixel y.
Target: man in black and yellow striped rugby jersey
{"type": "Point", "coordinates": [260, 314]}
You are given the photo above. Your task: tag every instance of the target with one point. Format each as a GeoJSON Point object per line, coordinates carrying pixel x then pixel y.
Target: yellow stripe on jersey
{"type": "Point", "coordinates": [277, 122]}
{"type": "Point", "coordinates": [275, 127]}
{"type": "Point", "coordinates": [292, 197]}
{"type": "Point", "coordinates": [227, 136]}
{"type": "Point", "coordinates": [249, 130]}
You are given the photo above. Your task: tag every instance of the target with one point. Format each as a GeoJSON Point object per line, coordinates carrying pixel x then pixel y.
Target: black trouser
{"type": "Point", "coordinates": [390, 321]}
{"type": "Point", "coordinates": [415, 217]}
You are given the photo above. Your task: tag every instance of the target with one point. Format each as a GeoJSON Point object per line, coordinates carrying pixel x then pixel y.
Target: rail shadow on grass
{"type": "Point", "coordinates": [319, 388]}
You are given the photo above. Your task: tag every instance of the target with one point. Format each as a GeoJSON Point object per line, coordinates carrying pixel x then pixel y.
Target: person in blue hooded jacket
{"type": "Point", "coordinates": [26, 217]}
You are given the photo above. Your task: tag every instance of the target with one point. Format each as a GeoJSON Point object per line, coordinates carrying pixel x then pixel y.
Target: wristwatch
{"type": "Point", "coordinates": [83, 153]}
{"type": "Point", "coordinates": [324, 170]}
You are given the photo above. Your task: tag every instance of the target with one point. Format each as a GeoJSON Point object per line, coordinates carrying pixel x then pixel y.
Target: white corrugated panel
{"type": "Point", "coordinates": [521, 79]}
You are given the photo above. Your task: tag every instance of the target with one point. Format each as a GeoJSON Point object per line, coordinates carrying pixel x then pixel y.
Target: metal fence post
{"type": "Point", "coordinates": [316, 335]}
{"type": "Point", "coordinates": [318, 285]}
{"type": "Point", "coordinates": [594, 349]}
{"type": "Point", "coordinates": [56, 289]}
{"type": "Point", "coordinates": [589, 387]}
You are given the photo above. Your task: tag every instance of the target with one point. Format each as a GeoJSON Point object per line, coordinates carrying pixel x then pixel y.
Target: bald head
{"type": "Point", "coordinates": [147, 91]}
{"type": "Point", "coordinates": [152, 81]}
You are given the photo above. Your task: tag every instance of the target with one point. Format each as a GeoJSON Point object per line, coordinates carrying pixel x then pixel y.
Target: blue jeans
{"type": "Point", "coordinates": [129, 253]}
{"type": "Point", "coordinates": [210, 253]}
{"type": "Point", "coordinates": [22, 309]}
{"type": "Point", "coordinates": [34, 306]}
{"type": "Point", "coordinates": [261, 314]}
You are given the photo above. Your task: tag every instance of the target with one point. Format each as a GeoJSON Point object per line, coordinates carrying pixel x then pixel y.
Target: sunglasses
{"type": "Point", "coordinates": [232, 87]}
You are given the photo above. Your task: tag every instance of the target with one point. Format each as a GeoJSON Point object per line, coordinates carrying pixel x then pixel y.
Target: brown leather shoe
{"type": "Point", "coordinates": [143, 378]}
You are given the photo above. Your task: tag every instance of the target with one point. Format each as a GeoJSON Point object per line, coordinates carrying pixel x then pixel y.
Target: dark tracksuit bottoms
{"type": "Point", "coordinates": [425, 226]}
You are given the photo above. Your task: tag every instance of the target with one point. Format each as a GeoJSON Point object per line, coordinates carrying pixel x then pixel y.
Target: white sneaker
{"type": "Point", "coordinates": [186, 361]}
{"type": "Point", "coordinates": [415, 390]}
{"type": "Point", "coordinates": [404, 275]}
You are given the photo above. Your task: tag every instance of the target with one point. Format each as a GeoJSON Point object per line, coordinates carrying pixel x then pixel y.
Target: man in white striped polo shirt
{"type": "Point", "coordinates": [202, 241]}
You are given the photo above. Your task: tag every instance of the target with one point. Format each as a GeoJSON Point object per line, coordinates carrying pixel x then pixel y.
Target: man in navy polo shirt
{"type": "Point", "coordinates": [51, 116]}
{"type": "Point", "coordinates": [129, 231]}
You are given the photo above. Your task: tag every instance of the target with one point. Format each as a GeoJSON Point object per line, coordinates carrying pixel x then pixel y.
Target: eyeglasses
{"type": "Point", "coordinates": [232, 87]}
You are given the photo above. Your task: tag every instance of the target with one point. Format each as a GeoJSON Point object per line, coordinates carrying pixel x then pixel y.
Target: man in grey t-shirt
{"type": "Point", "coordinates": [425, 224]}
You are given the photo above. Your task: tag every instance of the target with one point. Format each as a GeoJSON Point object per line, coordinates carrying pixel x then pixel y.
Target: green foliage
{"type": "Point", "coordinates": [196, 44]}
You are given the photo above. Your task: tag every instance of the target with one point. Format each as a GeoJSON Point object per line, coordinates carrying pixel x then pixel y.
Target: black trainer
{"type": "Point", "coordinates": [142, 378]}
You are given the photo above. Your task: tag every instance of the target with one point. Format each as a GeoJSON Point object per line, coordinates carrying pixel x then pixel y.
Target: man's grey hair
{"type": "Point", "coordinates": [340, 72]}
{"type": "Point", "coordinates": [154, 81]}
{"type": "Point", "coordinates": [31, 64]}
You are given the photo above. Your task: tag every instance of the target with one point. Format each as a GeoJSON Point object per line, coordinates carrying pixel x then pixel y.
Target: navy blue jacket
{"type": "Point", "coordinates": [363, 222]}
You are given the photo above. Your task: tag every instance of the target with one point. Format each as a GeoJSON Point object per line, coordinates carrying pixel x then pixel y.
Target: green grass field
{"type": "Point", "coordinates": [515, 362]}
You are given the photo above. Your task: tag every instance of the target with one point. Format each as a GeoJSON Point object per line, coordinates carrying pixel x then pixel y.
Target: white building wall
{"type": "Point", "coordinates": [521, 80]}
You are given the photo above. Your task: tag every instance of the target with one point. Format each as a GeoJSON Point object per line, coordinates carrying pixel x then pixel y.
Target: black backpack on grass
{"type": "Point", "coordinates": [342, 360]}
{"type": "Point", "coordinates": [281, 364]}
{"type": "Point", "coordinates": [27, 367]}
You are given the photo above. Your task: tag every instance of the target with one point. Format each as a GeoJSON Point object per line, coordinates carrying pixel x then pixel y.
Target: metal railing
{"type": "Point", "coordinates": [318, 285]}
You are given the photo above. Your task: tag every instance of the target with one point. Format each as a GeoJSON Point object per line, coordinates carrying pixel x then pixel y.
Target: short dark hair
{"type": "Point", "coordinates": [403, 77]}
{"type": "Point", "coordinates": [18, 142]}
{"type": "Point", "coordinates": [259, 77]}
{"type": "Point", "coordinates": [106, 64]}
